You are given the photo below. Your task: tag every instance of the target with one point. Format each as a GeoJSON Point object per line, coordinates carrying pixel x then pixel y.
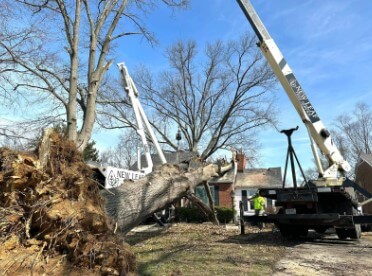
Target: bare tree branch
{"type": "Point", "coordinates": [44, 45]}
{"type": "Point", "coordinates": [215, 105]}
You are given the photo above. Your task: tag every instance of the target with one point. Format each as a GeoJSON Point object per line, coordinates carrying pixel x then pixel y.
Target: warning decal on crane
{"type": "Point", "coordinates": [302, 98]}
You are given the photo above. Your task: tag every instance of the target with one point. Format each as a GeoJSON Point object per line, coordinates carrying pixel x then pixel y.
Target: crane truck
{"type": "Point", "coordinates": [331, 200]}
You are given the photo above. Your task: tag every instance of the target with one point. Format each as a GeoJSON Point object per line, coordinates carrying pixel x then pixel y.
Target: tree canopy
{"type": "Point", "coordinates": [354, 133]}
{"type": "Point", "coordinates": [54, 56]}
{"type": "Point", "coordinates": [218, 98]}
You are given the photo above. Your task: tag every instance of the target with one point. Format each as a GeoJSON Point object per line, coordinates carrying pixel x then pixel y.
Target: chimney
{"type": "Point", "coordinates": [241, 160]}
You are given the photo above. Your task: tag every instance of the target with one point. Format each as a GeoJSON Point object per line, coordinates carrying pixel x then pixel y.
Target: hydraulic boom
{"type": "Point", "coordinates": [331, 200]}
{"type": "Point", "coordinates": [314, 125]}
{"type": "Point", "coordinates": [141, 118]}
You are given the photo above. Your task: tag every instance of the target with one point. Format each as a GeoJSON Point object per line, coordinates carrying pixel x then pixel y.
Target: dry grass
{"type": "Point", "coordinates": [204, 249]}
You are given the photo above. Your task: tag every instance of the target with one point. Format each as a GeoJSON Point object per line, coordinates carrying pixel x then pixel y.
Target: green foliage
{"type": "Point", "coordinates": [225, 215]}
{"type": "Point", "coordinates": [90, 152]}
{"type": "Point", "coordinates": [193, 214]}
{"type": "Point", "coordinates": [190, 214]}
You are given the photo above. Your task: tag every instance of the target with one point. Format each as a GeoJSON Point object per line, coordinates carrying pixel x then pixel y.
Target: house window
{"type": "Point", "coordinates": [251, 192]}
{"type": "Point", "coordinates": [215, 192]}
{"type": "Point", "coordinates": [244, 200]}
{"type": "Point", "coordinates": [248, 205]}
{"type": "Point", "coordinates": [202, 194]}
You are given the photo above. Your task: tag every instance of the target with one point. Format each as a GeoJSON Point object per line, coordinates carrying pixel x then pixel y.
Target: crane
{"type": "Point", "coordinates": [112, 176]}
{"type": "Point", "coordinates": [329, 201]}
{"type": "Point", "coordinates": [141, 118]}
{"type": "Point", "coordinates": [318, 133]}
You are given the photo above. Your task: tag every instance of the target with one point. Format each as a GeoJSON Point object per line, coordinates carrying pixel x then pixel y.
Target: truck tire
{"type": "Point", "coordinates": [353, 233]}
{"type": "Point", "coordinates": [321, 229]}
{"type": "Point", "coordinates": [342, 233]}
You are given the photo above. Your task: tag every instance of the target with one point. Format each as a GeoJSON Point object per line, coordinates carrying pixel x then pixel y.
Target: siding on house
{"type": "Point", "coordinates": [250, 180]}
{"type": "Point", "coordinates": [363, 177]}
{"type": "Point", "coordinates": [245, 184]}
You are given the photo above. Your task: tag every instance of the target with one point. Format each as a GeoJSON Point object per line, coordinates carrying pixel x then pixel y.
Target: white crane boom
{"type": "Point", "coordinates": [141, 118]}
{"type": "Point", "coordinates": [296, 94]}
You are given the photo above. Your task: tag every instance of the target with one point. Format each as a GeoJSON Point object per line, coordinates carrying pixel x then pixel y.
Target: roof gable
{"type": "Point", "coordinates": [367, 158]}
{"type": "Point", "coordinates": [259, 178]}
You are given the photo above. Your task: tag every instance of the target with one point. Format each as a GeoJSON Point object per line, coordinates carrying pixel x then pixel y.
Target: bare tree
{"type": "Point", "coordinates": [123, 155]}
{"type": "Point", "coordinates": [59, 52]}
{"type": "Point", "coordinates": [354, 132]}
{"type": "Point", "coordinates": [217, 100]}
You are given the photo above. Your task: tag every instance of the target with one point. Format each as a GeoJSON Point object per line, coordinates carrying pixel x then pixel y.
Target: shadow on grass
{"type": "Point", "coordinates": [160, 257]}
{"type": "Point", "coordinates": [263, 238]}
{"type": "Point", "coordinates": [330, 240]}
{"type": "Point", "coordinates": [276, 239]}
{"type": "Point", "coordinates": [134, 238]}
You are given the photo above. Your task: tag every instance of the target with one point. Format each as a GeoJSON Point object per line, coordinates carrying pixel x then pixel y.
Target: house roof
{"type": "Point", "coordinates": [170, 156]}
{"type": "Point", "coordinates": [367, 158]}
{"type": "Point", "coordinates": [252, 178]}
{"type": "Point", "coordinates": [259, 178]}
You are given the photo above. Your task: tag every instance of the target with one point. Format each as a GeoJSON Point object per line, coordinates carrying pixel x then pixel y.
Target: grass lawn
{"type": "Point", "coordinates": [205, 249]}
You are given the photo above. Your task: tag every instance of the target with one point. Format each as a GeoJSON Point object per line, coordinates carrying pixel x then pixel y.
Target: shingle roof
{"type": "Point", "coordinates": [259, 178]}
{"type": "Point", "coordinates": [254, 178]}
{"type": "Point", "coordinates": [367, 158]}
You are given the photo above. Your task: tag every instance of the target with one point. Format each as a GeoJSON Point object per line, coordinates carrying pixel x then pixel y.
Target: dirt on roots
{"type": "Point", "coordinates": [52, 218]}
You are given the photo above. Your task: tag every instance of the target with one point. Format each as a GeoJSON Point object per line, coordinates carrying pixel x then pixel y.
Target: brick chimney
{"type": "Point", "coordinates": [241, 160]}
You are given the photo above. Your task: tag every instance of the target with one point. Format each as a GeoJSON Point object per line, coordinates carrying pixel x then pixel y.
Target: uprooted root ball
{"type": "Point", "coordinates": [52, 218]}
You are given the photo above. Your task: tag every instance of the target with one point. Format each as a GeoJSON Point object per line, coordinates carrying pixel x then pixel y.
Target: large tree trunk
{"type": "Point", "coordinates": [133, 202]}
{"type": "Point", "coordinates": [211, 202]}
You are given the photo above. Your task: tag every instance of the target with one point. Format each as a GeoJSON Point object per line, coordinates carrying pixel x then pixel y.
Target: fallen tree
{"type": "Point", "coordinates": [52, 218]}
{"type": "Point", "coordinates": [133, 202]}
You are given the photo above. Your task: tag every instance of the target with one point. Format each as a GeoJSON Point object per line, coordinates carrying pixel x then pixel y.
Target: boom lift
{"type": "Point", "coordinates": [330, 200]}
{"type": "Point", "coordinates": [115, 176]}
{"type": "Point", "coordinates": [141, 118]}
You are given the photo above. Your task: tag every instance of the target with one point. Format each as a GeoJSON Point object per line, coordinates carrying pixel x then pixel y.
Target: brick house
{"type": "Point", "coordinates": [249, 181]}
{"type": "Point", "coordinates": [238, 185]}
{"type": "Point", "coordinates": [222, 190]}
{"type": "Point", "coordinates": [363, 177]}
{"type": "Point", "coordinates": [233, 186]}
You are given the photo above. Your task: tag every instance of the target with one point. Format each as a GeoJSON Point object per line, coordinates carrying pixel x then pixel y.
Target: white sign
{"type": "Point", "coordinates": [116, 176]}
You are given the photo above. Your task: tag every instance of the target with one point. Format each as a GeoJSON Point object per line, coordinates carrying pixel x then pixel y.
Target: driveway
{"type": "Point", "coordinates": [327, 255]}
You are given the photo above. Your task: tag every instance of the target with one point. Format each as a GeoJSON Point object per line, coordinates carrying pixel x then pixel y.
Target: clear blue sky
{"type": "Point", "coordinates": [328, 44]}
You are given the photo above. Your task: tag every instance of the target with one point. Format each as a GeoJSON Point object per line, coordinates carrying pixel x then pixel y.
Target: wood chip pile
{"type": "Point", "coordinates": [52, 218]}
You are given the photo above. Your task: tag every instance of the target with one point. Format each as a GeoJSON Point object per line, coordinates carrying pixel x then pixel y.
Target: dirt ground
{"type": "Point", "coordinates": [327, 255]}
{"type": "Point", "coordinates": [192, 249]}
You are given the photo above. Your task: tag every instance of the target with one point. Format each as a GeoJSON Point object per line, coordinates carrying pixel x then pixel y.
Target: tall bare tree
{"type": "Point", "coordinates": [217, 100]}
{"type": "Point", "coordinates": [57, 51]}
{"type": "Point", "coordinates": [354, 132]}
{"type": "Point", "coordinates": [124, 154]}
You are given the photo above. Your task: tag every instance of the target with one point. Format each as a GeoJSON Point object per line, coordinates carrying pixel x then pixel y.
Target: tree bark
{"type": "Point", "coordinates": [133, 202]}
{"type": "Point", "coordinates": [211, 202]}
